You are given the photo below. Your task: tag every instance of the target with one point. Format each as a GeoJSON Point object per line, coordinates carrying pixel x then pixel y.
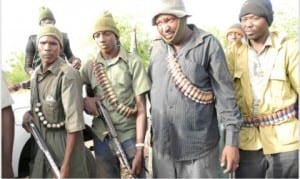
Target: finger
{"type": "Point", "coordinates": [229, 167]}
{"type": "Point", "coordinates": [223, 161]}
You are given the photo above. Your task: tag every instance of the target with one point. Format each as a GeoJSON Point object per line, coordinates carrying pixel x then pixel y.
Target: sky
{"type": "Point", "coordinates": [19, 18]}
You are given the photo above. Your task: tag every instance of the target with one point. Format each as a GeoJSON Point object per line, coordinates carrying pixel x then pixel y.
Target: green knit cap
{"type": "Point", "coordinates": [106, 23]}
{"type": "Point", "coordinates": [50, 30]}
{"type": "Point", "coordinates": [44, 13]}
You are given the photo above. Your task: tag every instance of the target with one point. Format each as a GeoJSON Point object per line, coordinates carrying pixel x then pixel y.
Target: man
{"type": "Point", "coordinates": [120, 80]}
{"type": "Point", "coordinates": [8, 124]}
{"type": "Point", "coordinates": [234, 33]}
{"type": "Point", "coordinates": [32, 59]}
{"type": "Point", "coordinates": [190, 80]}
{"type": "Point", "coordinates": [265, 71]}
{"type": "Point", "coordinates": [57, 110]}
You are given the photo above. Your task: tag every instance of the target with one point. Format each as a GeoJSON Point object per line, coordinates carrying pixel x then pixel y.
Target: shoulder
{"type": "Point", "coordinates": [69, 72]}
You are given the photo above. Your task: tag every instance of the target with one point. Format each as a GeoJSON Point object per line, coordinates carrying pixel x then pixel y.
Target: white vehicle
{"type": "Point", "coordinates": [23, 140]}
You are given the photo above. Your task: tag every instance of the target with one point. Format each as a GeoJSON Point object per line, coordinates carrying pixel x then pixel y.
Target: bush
{"type": "Point", "coordinates": [16, 72]}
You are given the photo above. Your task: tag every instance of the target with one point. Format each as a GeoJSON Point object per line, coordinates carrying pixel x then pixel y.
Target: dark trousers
{"type": "Point", "coordinates": [206, 167]}
{"type": "Point", "coordinates": [254, 164]}
{"type": "Point", "coordinates": [108, 165]}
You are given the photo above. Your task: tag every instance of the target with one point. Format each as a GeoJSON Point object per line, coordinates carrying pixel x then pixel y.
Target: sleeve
{"type": "Point", "coordinates": [6, 99]}
{"type": "Point", "coordinates": [72, 101]}
{"type": "Point", "coordinates": [224, 92]}
{"type": "Point", "coordinates": [140, 79]}
{"type": "Point", "coordinates": [293, 64]}
{"type": "Point", "coordinates": [85, 71]}
{"type": "Point", "coordinates": [30, 51]}
{"type": "Point", "coordinates": [67, 48]}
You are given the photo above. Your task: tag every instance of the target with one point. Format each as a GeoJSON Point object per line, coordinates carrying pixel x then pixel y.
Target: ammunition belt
{"type": "Point", "coordinates": [109, 93]}
{"type": "Point", "coordinates": [271, 119]}
{"type": "Point", "coordinates": [185, 86]}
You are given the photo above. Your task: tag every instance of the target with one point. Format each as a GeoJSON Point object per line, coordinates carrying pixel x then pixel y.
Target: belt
{"type": "Point", "coordinates": [271, 119]}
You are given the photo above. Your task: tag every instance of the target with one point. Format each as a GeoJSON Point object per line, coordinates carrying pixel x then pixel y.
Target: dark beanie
{"type": "Point", "coordinates": [261, 8]}
{"type": "Point", "coordinates": [44, 13]}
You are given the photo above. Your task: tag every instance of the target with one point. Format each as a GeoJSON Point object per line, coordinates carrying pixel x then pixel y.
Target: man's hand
{"type": "Point", "coordinates": [90, 106]}
{"type": "Point", "coordinates": [230, 158]}
{"type": "Point", "coordinates": [76, 63]}
{"type": "Point", "coordinates": [26, 118]}
{"type": "Point", "coordinates": [137, 162]}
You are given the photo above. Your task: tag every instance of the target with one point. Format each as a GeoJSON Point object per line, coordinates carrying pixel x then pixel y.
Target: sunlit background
{"type": "Point", "coordinates": [19, 18]}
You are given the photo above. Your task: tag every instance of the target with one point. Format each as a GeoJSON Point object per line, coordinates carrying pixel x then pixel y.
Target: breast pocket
{"type": "Point", "coordinates": [50, 111]}
{"type": "Point", "coordinates": [277, 82]}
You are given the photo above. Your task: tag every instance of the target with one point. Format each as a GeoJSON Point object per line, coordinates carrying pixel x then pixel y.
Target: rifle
{"type": "Point", "coordinates": [114, 136]}
{"type": "Point", "coordinates": [42, 145]}
{"type": "Point", "coordinates": [133, 41]}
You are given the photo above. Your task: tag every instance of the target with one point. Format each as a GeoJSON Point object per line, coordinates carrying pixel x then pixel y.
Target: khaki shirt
{"type": "Point", "coordinates": [129, 79]}
{"type": "Point", "coordinates": [279, 88]}
{"type": "Point", "coordinates": [61, 102]}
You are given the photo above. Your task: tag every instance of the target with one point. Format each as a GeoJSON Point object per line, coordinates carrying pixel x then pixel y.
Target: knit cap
{"type": "Point", "coordinates": [261, 8]}
{"type": "Point", "coordinates": [235, 28]}
{"type": "Point", "coordinates": [50, 30]}
{"type": "Point", "coordinates": [106, 23]}
{"type": "Point", "coordinates": [44, 13]}
{"type": "Point", "coordinates": [173, 7]}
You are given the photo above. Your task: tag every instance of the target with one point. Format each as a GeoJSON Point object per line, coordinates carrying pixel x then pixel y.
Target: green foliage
{"type": "Point", "coordinates": [286, 24]}
{"type": "Point", "coordinates": [16, 73]}
{"type": "Point", "coordinates": [126, 26]}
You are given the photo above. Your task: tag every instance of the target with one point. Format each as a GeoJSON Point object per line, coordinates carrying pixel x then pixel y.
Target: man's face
{"type": "Point", "coordinates": [234, 36]}
{"type": "Point", "coordinates": [106, 41]}
{"type": "Point", "coordinates": [167, 25]}
{"type": "Point", "coordinates": [49, 49]}
{"type": "Point", "coordinates": [47, 21]}
{"type": "Point", "coordinates": [255, 27]}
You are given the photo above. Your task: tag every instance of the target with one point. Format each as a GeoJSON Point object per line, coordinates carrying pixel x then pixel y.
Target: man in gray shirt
{"type": "Point", "coordinates": [190, 84]}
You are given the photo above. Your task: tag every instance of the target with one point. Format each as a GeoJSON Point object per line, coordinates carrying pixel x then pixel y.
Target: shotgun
{"type": "Point", "coordinates": [42, 145]}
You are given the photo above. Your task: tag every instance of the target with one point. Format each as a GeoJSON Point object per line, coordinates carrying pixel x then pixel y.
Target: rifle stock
{"type": "Point", "coordinates": [42, 145]}
{"type": "Point", "coordinates": [113, 134]}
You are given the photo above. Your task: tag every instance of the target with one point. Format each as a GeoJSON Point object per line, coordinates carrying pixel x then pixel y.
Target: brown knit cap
{"type": "Point", "coordinates": [106, 23]}
{"type": "Point", "coordinates": [235, 28]}
{"type": "Point", "coordinates": [50, 30]}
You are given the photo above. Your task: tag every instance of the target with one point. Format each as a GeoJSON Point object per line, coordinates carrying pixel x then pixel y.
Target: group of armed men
{"type": "Point", "coordinates": [193, 85]}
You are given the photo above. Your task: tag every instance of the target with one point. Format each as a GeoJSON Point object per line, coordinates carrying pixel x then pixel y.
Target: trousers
{"type": "Point", "coordinates": [207, 166]}
{"type": "Point", "coordinates": [254, 164]}
{"type": "Point", "coordinates": [107, 162]}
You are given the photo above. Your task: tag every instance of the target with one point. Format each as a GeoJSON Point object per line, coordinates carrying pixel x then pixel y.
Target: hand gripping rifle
{"type": "Point", "coordinates": [42, 145]}
{"type": "Point", "coordinates": [114, 136]}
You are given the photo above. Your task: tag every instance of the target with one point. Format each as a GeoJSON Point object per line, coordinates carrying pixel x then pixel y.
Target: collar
{"type": "Point", "coordinates": [122, 55]}
{"type": "Point", "coordinates": [54, 67]}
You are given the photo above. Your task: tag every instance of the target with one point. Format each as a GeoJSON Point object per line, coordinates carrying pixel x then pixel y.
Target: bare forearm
{"type": "Point", "coordinates": [141, 120]}
{"type": "Point", "coordinates": [71, 141]}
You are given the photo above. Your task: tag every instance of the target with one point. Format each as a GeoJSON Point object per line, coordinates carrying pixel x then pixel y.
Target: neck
{"type": "Point", "coordinates": [185, 38]}
{"type": "Point", "coordinates": [258, 44]}
{"type": "Point", "coordinates": [110, 55]}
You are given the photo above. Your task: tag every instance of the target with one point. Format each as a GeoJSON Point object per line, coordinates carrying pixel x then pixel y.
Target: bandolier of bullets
{"type": "Point", "coordinates": [276, 118]}
{"type": "Point", "coordinates": [43, 120]}
{"type": "Point", "coordinates": [108, 91]}
{"type": "Point", "coordinates": [185, 86]}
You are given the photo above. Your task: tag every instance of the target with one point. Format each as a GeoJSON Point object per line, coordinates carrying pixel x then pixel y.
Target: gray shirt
{"type": "Point", "coordinates": [182, 128]}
